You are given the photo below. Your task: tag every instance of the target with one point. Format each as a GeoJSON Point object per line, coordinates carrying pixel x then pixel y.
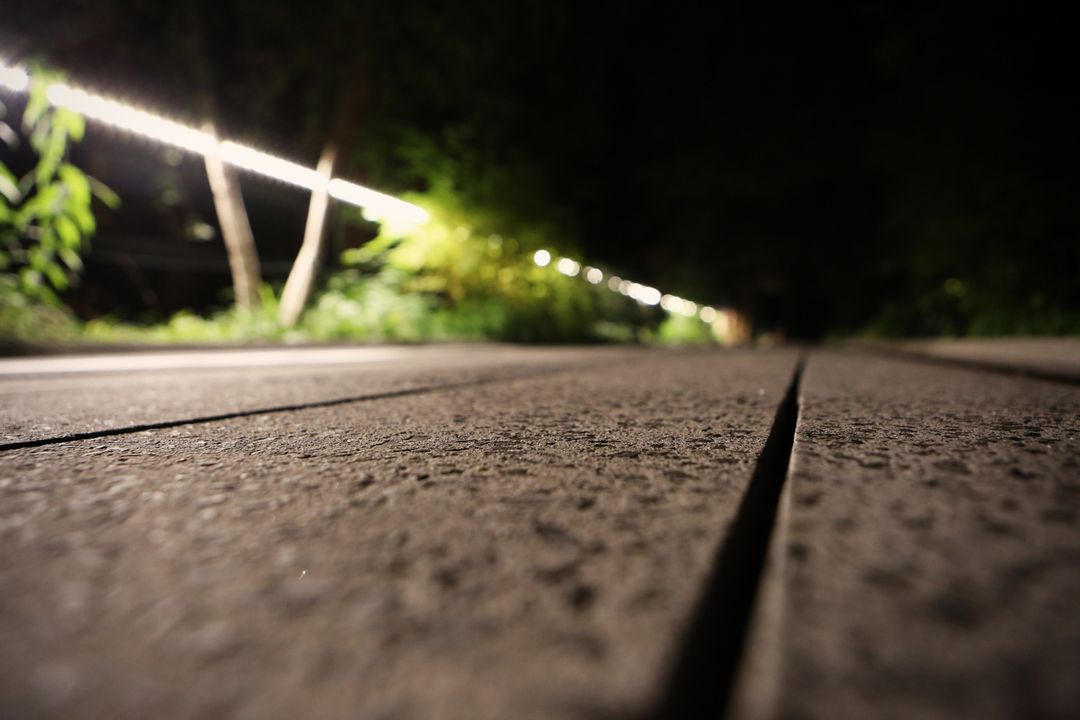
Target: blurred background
{"type": "Point", "coordinates": [805, 171]}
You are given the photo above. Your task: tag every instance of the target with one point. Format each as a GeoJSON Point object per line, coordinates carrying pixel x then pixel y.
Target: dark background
{"type": "Point", "coordinates": [828, 168]}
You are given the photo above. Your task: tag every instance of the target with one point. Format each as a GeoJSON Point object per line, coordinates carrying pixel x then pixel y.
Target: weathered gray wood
{"type": "Point", "coordinates": [301, 278]}
{"type": "Point", "coordinates": [235, 228]}
{"type": "Point", "coordinates": [59, 400]}
{"type": "Point", "coordinates": [349, 117]}
{"type": "Point", "coordinates": [927, 560]}
{"type": "Point", "coordinates": [1058, 356]}
{"type": "Point", "coordinates": [519, 549]}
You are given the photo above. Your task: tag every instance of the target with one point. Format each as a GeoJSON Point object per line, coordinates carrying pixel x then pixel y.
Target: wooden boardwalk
{"type": "Point", "coordinates": [495, 532]}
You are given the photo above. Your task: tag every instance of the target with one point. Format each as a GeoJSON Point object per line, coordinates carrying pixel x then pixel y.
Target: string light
{"type": "Point", "coordinates": [643, 294]}
{"type": "Point", "coordinates": [377, 206]}
{"type": "Point", "coordinates": [568, 267]}
{"type": "Point", "coordinates": [14, 79]}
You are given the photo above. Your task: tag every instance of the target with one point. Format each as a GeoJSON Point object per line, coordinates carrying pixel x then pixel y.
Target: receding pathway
{"type": "Point", "coordinates": [495, 532]}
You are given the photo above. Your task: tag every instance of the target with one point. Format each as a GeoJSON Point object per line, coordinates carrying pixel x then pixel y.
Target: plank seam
{"type": "Point", "coordinates": [710, 653]}
{"type": "Point", "coordinates": [987, 366]}
{"type": "Point", "coordinates": [168, 424]}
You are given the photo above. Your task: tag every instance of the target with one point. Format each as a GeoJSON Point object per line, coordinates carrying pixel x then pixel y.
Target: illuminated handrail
{"type": "Point", "coordinates": [169, 132]}
{"type": "Point", "coordinates": [377, 205]}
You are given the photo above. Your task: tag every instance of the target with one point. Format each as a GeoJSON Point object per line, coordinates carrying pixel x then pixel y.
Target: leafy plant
{"type": "Point", "coordinates": [46, 216]}
{"type": "Point", "coordinates": [474, 278]}
{"type": "Point", "coordinates": [232, 325]}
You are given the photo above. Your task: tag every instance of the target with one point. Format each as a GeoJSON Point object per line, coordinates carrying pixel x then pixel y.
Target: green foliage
{"type": "Point", "coordinates": [958, 308]}
{"type": "Point", "coordinates": [466, 274]}
{"type": "Point", "coordinates": [467, 277]}
{"type": "Point", "coordinates": [682, 330]}
{"type": "Point", "coordinates": [460, 276]}
{"type": "Point", "coordinates": [46, 216]}
{"type": "Point", "coordinates": [453, 278]}
{"type": "Point", "coordinates": [234, 325]}
{"type": "Point", "coordinates": [25, 319]}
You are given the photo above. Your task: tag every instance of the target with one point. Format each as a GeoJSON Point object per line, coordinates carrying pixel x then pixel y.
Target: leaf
{"type": "Point", "coordinates": [56, 276]}
{"type": "Point", "coordinates": [51, 156]}
{"type": "Point", "coordinates": [68, 231]}
{"type": "Point", "coordinates": [9, 185]}
{"type": "Point", "coordinates": [8, 136]}
{"type": "Point", "coordinates": [78, 185]}
{"type": "Point", "coordinates": [26, 183]}
{"type": "Point", "coordinates": [71, 259]}
{"type": "Point", "coordinates": [104, 193]}
{"type": "Point", "coordinates": [31, 279]}
{"type": "Point", "coordinates": [83, 218]}
{"type": "Point", "coordinates": [42, 205]}
{"type": "Point", "coordinates": [73, 123]}
{"type": "Point", "coordinates": [36, 107]}
{"type": "Point", "coordinates": [40, 134]}
{"type": "Point", "coordinates": [37, 257]}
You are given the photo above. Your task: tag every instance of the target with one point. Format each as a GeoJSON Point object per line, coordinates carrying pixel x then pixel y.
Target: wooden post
{"type": "Point", "coordinates": [235, 228]}
{"type": "Point", "coordinates": [302, 275]}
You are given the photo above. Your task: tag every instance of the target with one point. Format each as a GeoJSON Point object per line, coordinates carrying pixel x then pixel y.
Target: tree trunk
{"type": "Point", "coordinates": [235, 228]}
{"type": "Point", "coordinates": [302, 275]}
{"type": "Point", "coordinates": [352, 105]}
{"type": "Point", "coordinates": [228, 202]}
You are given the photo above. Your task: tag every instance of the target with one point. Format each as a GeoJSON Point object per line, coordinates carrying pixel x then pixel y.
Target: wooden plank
{"type": "Point", "coordinates": [62, 395]}
{"type": "Point", "coordinates": [927, 560]}
{"type": "Point", "coordinates": [525, 549]}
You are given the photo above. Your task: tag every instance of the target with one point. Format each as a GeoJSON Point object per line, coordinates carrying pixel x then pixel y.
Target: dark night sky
{"type": "Point", "coordinates": [822, 165]}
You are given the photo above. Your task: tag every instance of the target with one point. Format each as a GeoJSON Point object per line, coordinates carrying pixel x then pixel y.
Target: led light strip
{"type": "Point", "coordinates": [643, 294]}
{"type": "Point", "coordinates": [377, 206]}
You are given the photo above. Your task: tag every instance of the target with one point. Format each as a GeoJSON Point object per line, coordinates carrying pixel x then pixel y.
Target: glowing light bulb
{"type": "Point", "coordinates": [14, 78]}
{"type": "Point", "coordinates": [567, 267]}
{"type": "Point", "coordinates": [542, 258]}
{"type": "Point", "coordinates": [649, 296]}
{"type": "Point", "coordinates": [707, 314]}
{"type": "Point", "coordinates": [672, 303]}
{"type": "Point", "coordinates": [594, 275]}
{"type": "Point", "coordinates": [722, 324]}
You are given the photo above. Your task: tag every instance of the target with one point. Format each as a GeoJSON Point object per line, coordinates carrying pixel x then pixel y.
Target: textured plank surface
{"type": "Point", "coordinates": [1057, 356]}
{"type": "Point", "coordinates": [54, 396]}
{"type": "Point", "coordinates": [930, 549]}
{"type": "Point", "coordinates": [526, 548]}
